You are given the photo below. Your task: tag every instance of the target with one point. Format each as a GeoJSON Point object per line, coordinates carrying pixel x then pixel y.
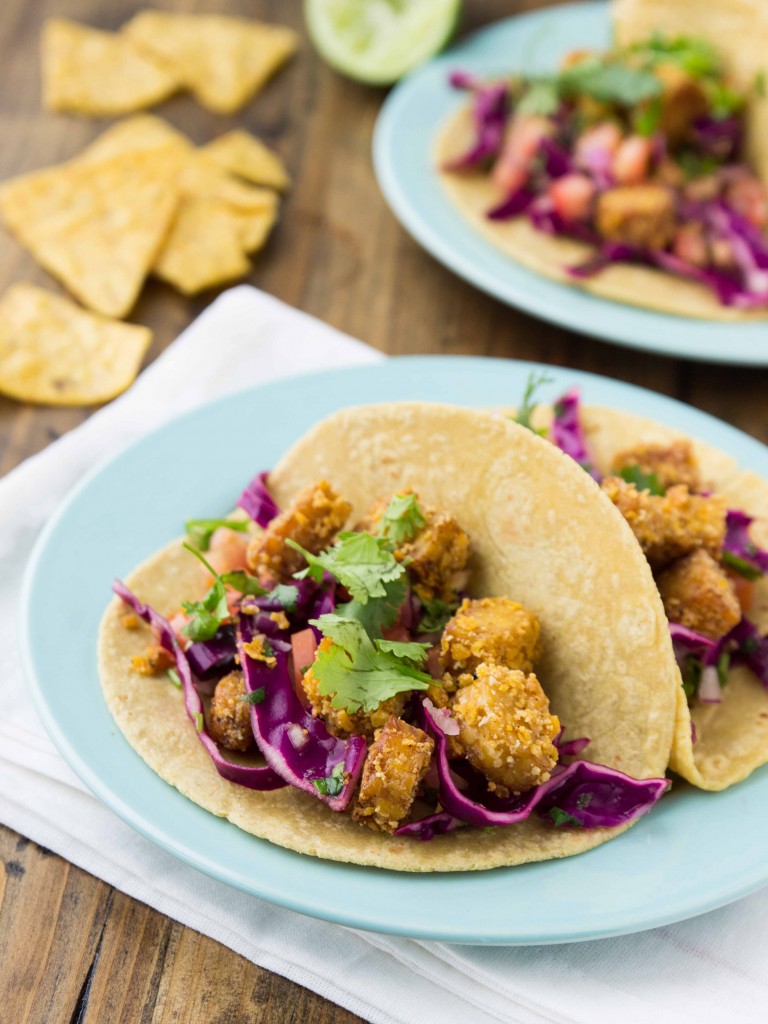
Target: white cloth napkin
{"type": "Point", "coordinates": [711, 970]}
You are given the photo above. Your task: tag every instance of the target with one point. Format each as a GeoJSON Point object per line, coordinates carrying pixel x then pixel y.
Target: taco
{"type": "Point", "coordinates": [702, 522]}
{"type": "Point", "coordinates": [638, 174]}
{"type": "Point", "coordinates": [348, 693]}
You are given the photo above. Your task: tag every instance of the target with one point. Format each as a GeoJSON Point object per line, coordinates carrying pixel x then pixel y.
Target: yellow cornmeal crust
{"type": "Point", "coordinates": [542, 533]}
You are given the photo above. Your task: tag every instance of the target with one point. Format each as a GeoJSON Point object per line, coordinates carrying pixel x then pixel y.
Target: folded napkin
{"type": "Point", "coordinates": [712, 969]}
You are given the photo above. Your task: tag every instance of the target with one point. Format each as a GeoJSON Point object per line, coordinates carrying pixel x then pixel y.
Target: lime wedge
{"type": "Point", "coordinates": [378, 41]}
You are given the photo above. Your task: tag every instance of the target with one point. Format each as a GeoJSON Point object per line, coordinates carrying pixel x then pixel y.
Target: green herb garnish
{"type": "Point", "coordinates": [380, 612]}
{"type": "Point", "coordinates": [200, 531]}
{"type": "Point", "coordinates": [173, 675]}
{"type": "Point", "coordinates": [360, 672]}
{"type": "Point", "coordinates": [541, 98]}
{"type": "Point", "coordinates": [286, 595]}
{"type": "Point", "coordinates": [529, 402]}
{"type": "Point", "coordinates": [741, 566]}
{"type": "Point", "coordinates": [609, 82]}
{"type": "Point", "coordinates": [436, 615]}
{"type": "Point", "coordinates": [723, 664]}
{"type": "Point", "coordinates": [694, 56]}
{"type": "Point", "coordinates": [647, 118]}
{"type": "Point", "coordinates": [402, 519]}
{"type": "Point", "coordinates": [244, 583]}
{"type": "Point", "coordinates": [199, 721]}
{"type": "Point", "coordinates": [692, 669]}
{"type": "Point", "coordinates": [209, 613]}
{"type": "Point", "coordinates": [562, 818]}
{"type": "Point", "coordinates": [254, 697]}
{"type": "Point", "coordinates": [642, 481]}
{"type": "Point", "coordinates": [360, 562]}
{"type": "Point", "coordinates": [333, 784]}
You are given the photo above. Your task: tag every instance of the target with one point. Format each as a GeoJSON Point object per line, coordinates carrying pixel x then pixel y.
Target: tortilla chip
{"type": "Point", "coordinates": [243, 154]}
{"type": "Point", "coordinates": [541, 532]}
{"type": "Point", "coordinates": [96, 226]}
{"type": "Point", "coordinates": [254, 227]}
{"type": "Point", "coordinates": [204, 248]}
{"type": "Point", "coordinates": [223, 60]}
{"type": "Point", "coordinates": [54, 353]}
{"type": "Point", "coordinates": [90, 72]}
{"type": "Point", "coordinates": [473, 194]}
{"type": "Point", "coordinates": [140, 132]}
{"type": "Point", "coordinates": [201, 178]}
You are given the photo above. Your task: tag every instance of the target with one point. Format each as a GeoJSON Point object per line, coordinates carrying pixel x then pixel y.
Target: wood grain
{"type": "Point", "coordinates": [72, 949]}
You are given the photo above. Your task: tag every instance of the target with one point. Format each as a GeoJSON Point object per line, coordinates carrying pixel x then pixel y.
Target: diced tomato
{"type": "Point", "coordinates": [513, 167]}
{"type": "Point", "coordinates": [572, 195]}
{"type": "Point", "coordinates": [632, 160]}
{"type": "Point", "coordinates": [227, 550]}
{"type": "Point", "coordinates": [303, 649]}
{"type": "Point", "coordinates": [747, 196]}
{"type": "Point", "coordinates": [604, 137]}
{"type": "Point", "coordinates": [177, 623]}
{"type": "Point", "coordinates": [745, 591]}
{"type": "Point", "coordinates": [690, 244]}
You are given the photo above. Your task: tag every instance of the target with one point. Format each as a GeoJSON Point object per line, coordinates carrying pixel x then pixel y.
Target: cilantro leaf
{"type": "Point", "coordinates": [610, 83]}
{"type": "Point", "coordinates": [356, 671]}
{"type": "Point", "coordinates": [412, 651]}
{"type": "Point", "coordinates": [199, 721]}
{"type": "Point", "coordinates": [436, 615]}
{"type": "Point", "coordinates": [562, 818]}
{"type": "Point", "coordinates": [529, 403]}
{"type": "Point", "coordinates": [723, 664]}
{"type": "Point", "coordinates": [173, 675]}
{"type": "Point", "coordinates": [642, 481]}
{"type": "Point", "coordinates": [243, 582]}
{"type": "Point", "coordinates": [695, 56]}
{"type": "Point", "coordinates": [378, 613]}
{"type": "Point", "coordinates": [402, 518]}
{"type": "Point", "coordinates": [208, 613]}
{"type": "Point", "coordinates": [286, 595]}
{"type": "Point", "coordinates": [741, 566]}
{"type": "Point", "coordinates": [646, 118]}
{"type": "Point", "coordinates": [692, 669]}
{"type": "Point", "coordinates": [254, 697]}
{"type": "Point", "coordinates": [541, 97]}
{"type": "Point", "coordinates": [200, 531]}
{"type": "Point", "coordinates": [360, 562]}
{"type": "Point", "coordinates": [333, 784]}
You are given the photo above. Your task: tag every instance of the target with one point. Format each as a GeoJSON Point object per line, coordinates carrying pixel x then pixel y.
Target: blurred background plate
{"type": "Point", "coordinates": [402, 148]}
{"type": "Point", "coordinates": [695, 852]}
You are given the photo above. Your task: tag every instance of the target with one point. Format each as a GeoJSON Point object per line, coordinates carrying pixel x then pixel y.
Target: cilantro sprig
{"type": "Point", "coordinates": [333, 784]}
{"type": "Point", "coordinates": [436, 614]}
{"type": "Point", "coordinates": [212, 610]}
{"type": "Point", "coordinates": [741, 566]}
{"type": "Point", "coordinates": [257, 696]}
{"type": "Point", "coordinates": [643, 481]}
{"type": "Point", "coordinates": [561, 818]}
{"type": "Point", "coordinates": [600, 78]}
{"type": "Point", "coordinates": [200, 531]}
{"type": "Point", "coordinates": [402, 518]}
{"type": "Point", "coordinates": [361, 673]}
{"type": "Point", "coordinates": [530, 401]}
{"type": "Point", "coordinates": [362, 563]}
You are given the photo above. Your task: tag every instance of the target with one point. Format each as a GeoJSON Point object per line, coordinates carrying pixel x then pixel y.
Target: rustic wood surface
{"type": "Point", "coordinates": [73, 949]}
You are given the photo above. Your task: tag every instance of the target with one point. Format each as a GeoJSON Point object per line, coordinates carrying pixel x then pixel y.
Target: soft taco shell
{"type": "Point", "coordinates": [541, 532]}
{"type": "Point", "coordinates": [473, 194]}
{"type": "Point", "coordinates": [732, 737]}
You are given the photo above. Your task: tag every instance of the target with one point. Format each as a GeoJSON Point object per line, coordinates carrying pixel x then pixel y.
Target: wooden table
{"type": "Point", "coordinates": [73, 949]}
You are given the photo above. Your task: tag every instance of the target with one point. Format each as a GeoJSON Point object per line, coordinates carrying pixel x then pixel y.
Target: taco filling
{"type": "Point", "coordinates": [709, 570]}
{"type": "Point", "coordinates": [638, 153]}
{"type": "Point", "coordinates": [354, 666]}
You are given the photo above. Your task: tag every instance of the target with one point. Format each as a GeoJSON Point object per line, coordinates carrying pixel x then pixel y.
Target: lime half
{"type": "Point", "coordinates": [378, 41]}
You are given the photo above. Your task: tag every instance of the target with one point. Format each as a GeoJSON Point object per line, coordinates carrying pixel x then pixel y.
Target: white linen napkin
{"type": "Point", "coordinates": [711, 970]}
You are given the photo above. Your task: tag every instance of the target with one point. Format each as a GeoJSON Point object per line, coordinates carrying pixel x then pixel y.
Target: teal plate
{"type": "Point", "coordinates": [695, 852]}
{"type": "Point", "coordinates": [402, 156]}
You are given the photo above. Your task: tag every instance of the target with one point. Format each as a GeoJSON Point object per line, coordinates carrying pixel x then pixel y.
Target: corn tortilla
{"type": "Point", "coordinates": [473, 194]}
{"type": "Point", "coordinates": [732, 737]}
{"type": "Point", "coordinates": [542, 533]}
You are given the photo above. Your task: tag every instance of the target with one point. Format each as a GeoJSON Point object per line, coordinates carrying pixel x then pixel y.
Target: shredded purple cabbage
{"type": "Point", "coordinates": [489, 114]}
{"type": "Point", "coordinates": [517, 203]}
{"type": "Point", "coordinates": [433, 825]}
{"type": "Point", "coordinates": [610, 252]}
{"type": "Point", "coordinates": [748, 648]}
{"type": "Point", "coordinates": [252, 777]}
{"type": "Point", "coordinates": [257, 502]}
{"type": "Point", "coordinates": [295, 744]}
{"type": "Point", "coordinates": [214, 657]}
{"type": "Point", "coordinates": [556, 158]}
{"type": "Point", "coordinates": [570, 748]}
{"type": "Point", "coordinates": [721, 138]}
{"type": "Point", "coordinates": [590, 795]}
{"type": "Point", "coordinates": [544, 217]}
{"type": "Point", "coordinates": [739, 544]}
{"type": "Point", "coordinates": [568, 432]}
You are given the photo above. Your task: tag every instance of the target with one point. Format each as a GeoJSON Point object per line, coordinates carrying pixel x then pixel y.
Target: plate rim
{"type": "Point", "coordinates": [165, 840]}
{"type": "Point", "coordinates": [630, 326]}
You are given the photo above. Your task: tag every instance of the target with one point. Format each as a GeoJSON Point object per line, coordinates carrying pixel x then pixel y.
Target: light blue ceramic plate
{"type": "Point", "coordinates": [402, 155]}
{"type": "Point", "coordinates": [696, 851]}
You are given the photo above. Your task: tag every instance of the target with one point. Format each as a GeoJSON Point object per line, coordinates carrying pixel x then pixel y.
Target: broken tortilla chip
{"type": "Point", "coordinates": [254, 227]}
{"type": "Point", "coordinates": [223, 60]}
{"type": "Point", "coordinates": [54, 353]}
{"type": "Point", "coordinates": [201, 178]}
{"type": "Point", "coordinates": [97, 226]}
{"type": "Point", "coordinates": [86, 71]}
{"type": "Point", "coordinates": [204, 248]}
{"type": "Point", "coordinates": [243, 154]}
